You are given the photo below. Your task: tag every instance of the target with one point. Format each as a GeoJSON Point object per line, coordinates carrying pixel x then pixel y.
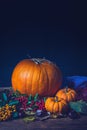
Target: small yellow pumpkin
{"type": "Point", "coordinates": [56, 105]}
{"type": "Point", "coordinates": [67, 94]}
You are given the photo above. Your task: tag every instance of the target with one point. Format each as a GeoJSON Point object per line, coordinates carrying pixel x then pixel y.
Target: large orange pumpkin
{"type": "Point", "coordinates": [31, 76]}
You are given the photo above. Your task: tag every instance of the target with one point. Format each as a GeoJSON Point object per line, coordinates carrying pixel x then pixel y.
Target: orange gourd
{"type": "Point", "coordinates": [56, 105]}
{"type": "Point", "coordinates": [67, 94]}
{"type": "Point", "coordinates": [31, 76]}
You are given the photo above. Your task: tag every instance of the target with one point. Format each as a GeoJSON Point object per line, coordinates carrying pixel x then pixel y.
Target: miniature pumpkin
{"type": "Point", "coordinates": [56, 105]}
{"type": "Point", "coordinates": [67, 94]}
{"type": "Point", "coordinates": [31, 76]}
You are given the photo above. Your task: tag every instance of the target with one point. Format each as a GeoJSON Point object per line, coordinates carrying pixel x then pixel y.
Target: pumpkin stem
{"type": "Point", "coordinates": [38, 60]}
{"type": "Point", "coordinates": [66, 89]}
{"type": "Point", "coordinates": [56, 99]}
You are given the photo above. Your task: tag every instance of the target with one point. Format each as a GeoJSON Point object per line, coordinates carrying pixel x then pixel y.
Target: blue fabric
{"type": "Point", "coordinates": [75, 81]}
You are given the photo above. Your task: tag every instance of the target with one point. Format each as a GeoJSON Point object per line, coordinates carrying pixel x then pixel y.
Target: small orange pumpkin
{"type": "Point", "coordinates": [67, 94]}
{"type": "Point", "coordinates": [56, 105]}
{"type": "Point", "coordinates": [31, 76]}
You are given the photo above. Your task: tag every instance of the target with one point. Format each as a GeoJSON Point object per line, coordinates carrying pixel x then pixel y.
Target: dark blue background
{"type": "Point", "coordinates": [51, 29]}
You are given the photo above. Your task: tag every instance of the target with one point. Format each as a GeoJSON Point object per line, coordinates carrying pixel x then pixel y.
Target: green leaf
{"type": "Point", "coordinates": [79, 106]}
{"type": "Point", "coordinates": [36, 97]}
{"type": "Point", "coordinates": [29, 119]}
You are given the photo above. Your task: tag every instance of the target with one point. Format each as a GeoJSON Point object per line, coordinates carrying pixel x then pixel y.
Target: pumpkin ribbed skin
{"type": "Point", "coordinates": [67, 94]}
{"type": "Point", "coordinates": [56, 106]}
{"type": "Point", "coordinates": [31, 76]}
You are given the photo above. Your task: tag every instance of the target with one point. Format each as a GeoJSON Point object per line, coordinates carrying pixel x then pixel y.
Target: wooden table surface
{"type": "Point", "coordinates": [49, 124]}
